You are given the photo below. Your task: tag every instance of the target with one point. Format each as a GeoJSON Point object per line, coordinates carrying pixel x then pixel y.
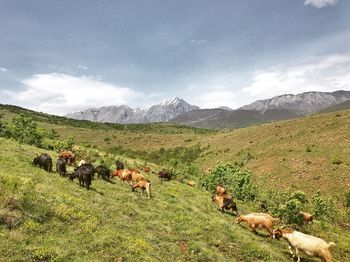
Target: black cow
{"type": "Point", "coordinates": [119, 165]}
{"type": "Point", "coordinates": [43, 161]}
{"type": "Point", "coordinates": [61, 166]}
{"type": "Point", "coordinates": [103, 172]}
{"type": "Point", "coordinates": [84, 174]}
{"type": "Point", "coordinates": [164, 175]}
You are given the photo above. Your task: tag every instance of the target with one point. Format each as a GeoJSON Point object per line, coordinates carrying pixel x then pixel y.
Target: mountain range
{"type": "Point", "coordinates": [177, 110]}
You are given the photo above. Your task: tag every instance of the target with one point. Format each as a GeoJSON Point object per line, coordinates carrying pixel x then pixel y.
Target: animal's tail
{"type": "Point", "coordinates": [331, 244]}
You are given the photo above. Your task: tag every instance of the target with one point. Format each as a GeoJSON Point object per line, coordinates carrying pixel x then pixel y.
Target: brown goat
{"type": "Point", "coordinates": [144, 185]}
{"type": "Point", "coordinates": [306, 216]}
{"type": "Point", "coordinates": [225, 202]}
{"type": "Point", "coordinates": [258, 220]}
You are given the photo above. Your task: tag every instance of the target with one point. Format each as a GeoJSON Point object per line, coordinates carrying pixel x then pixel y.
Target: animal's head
{"type": "Point", "coordinates": [277, 234]}
{"type": "Point", "coordinates": [36, 160]}
{"type": "Point", "coordinates": [239, 219]}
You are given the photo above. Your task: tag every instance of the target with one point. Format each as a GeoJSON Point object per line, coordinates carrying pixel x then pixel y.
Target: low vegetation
{"type": "Point", "coordinates": [39, 211]}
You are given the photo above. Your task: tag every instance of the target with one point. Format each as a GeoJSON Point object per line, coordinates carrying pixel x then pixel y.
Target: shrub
{"type": "Point", "coordinates": [24, 130]}
{"type": "Point", "coordinates": [323, 207]}
{"type": "Point", "coordinates": [290, 212]}
{"type": "Point", "coordinates": [67, 144]}
{"type": "Point", "coordinates": [233, 178]}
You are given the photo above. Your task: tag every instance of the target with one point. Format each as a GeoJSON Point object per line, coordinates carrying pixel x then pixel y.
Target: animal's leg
{"type": "Point", "coordinates": [142, 189]}
{"type": "Point", "coordinates": [297, 253]}
{"type": "Point", "coordinates": [290, 250]}
{"type": "Point", "coordinates": [252, 227]}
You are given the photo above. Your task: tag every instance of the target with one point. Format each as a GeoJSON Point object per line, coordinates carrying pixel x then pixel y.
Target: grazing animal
{"type": "Point", "coordinates": [306, 216]}
{"type": "Point", "coordinates": [225, 202]}
{"type": "Point", "coordinates": [84, 174]}
{"type": "Point", "coordinates": [164, 175]}
{"type": "Point", "coordinates": [103, 172]}
{"type": "Point", "coordinates": [312, 246]}
{"type": "Point", "coordinates": [43, 161]}
{"type": "Point", "coordinates": [136, 177]}
{"type": "Point", "coordinates": [61, 166]}
{"type": "Point", "coordinates": [144, 185]}
{"type": "Point", "coordinates": [220, 190]}
{"type": "Point", "coordinates": [68, 156]}
{"type": "Point", "coordinates": [119, 165]}
{"type": "Point", "coordinates": [258, 220]}
{"type": "Point", "coordinates": [81, 162]}
{"type": "Point", "coordinates": [123, 174]}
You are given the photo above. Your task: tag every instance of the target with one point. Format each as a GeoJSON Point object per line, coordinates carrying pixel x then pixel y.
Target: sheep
{"type": "Point", "coordinates": [144, 185]}
{"type": "Point", "coordinates": [312, 246]}
{"type": "Point", "coordinates": [306, 216]}
{"type": "Point", "coordinates": [258, 220]}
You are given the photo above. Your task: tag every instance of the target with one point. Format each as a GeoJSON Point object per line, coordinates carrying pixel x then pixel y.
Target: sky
{"type": "Point", "coordinates": [69, 55]}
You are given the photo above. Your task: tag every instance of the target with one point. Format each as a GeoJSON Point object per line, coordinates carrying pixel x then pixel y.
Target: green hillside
{"type": "Point", "coordinates": [56, 219]}
{"type": "Point", "coordinates": [45, 217]}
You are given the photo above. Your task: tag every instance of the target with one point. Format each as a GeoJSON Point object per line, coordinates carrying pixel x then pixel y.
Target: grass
{"type": "Point", "coordinates": [180, 223]}
{"type": "Point", "coordinates": [61, 221]}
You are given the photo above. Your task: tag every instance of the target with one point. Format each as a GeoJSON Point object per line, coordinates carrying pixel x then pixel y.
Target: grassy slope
{"type": "Point", "coordinates": [63, 221]}
{"type": "Point", "coordinates": [278, 150]}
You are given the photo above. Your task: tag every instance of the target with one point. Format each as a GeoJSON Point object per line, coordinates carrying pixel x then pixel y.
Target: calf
{"type": "Point", "coordinates": [61, 166]}
{"type": "Point", "coordinates": [144, 185]}
{"type": "Point", "coordinates": [103, 172]}
{"type": "Point", "coordinates": [43, 161]}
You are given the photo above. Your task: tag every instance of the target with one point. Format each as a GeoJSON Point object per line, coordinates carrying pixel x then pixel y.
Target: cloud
{"type": "Point", "coordinates": [320, 3]}
{"type": "Point", "coordinates": [83, 67]}
{"type": "Point", "coordinates": [3, 70]}
{"type": "Point", "coordinates": [198, 41]}
{"type": "Point", "coordinates": [61, 93]}
{"type": "Point", "coordinates": [318, 74]}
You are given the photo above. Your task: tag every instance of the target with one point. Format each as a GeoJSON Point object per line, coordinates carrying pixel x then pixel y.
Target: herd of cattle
{"type": "Point", "coordinates": [85, 172]}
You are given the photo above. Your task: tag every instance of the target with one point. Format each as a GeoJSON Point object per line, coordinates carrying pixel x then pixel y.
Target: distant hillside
{"type": "Point", "coordinates": [221, 118]}
{"type": "Point", "coordinates": [342, 106]}
{"type": "Point", "coordinates": [124, 114]}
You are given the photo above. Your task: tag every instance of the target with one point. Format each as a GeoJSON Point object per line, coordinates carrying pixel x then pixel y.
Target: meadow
{"type": "Point", "coordinates": [45, 217]}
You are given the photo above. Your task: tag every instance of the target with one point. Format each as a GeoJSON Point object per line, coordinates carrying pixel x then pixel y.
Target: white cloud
{"type": "Point", "coordinates": [61, 93]}
{"type": "Point", "coordinates": [83, 67]}
{"type": "Point", "coordinates": [323, 74]}
{"type": "Point", "coordinates": [320, 3]}
{"type": "Point", "coordinates": [3, 70]}
{"type": "Point", "coordinates": [198, 41]}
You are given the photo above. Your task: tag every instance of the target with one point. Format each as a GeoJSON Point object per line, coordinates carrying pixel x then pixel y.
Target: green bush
{"type": "Point", "coordinates": [24, 130]}
{"type": "Point", "coordinates": [290, 212]}
{"type": "Point", "coordinates": [67, 144]}
{"type": "Point", "coordinates": [233, 178]}
{"type": "Point", "coordinates": [323, 207]}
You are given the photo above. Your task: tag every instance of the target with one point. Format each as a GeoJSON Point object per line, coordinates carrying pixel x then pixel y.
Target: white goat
{"type": "Point", "coordinates": [312, 246]}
